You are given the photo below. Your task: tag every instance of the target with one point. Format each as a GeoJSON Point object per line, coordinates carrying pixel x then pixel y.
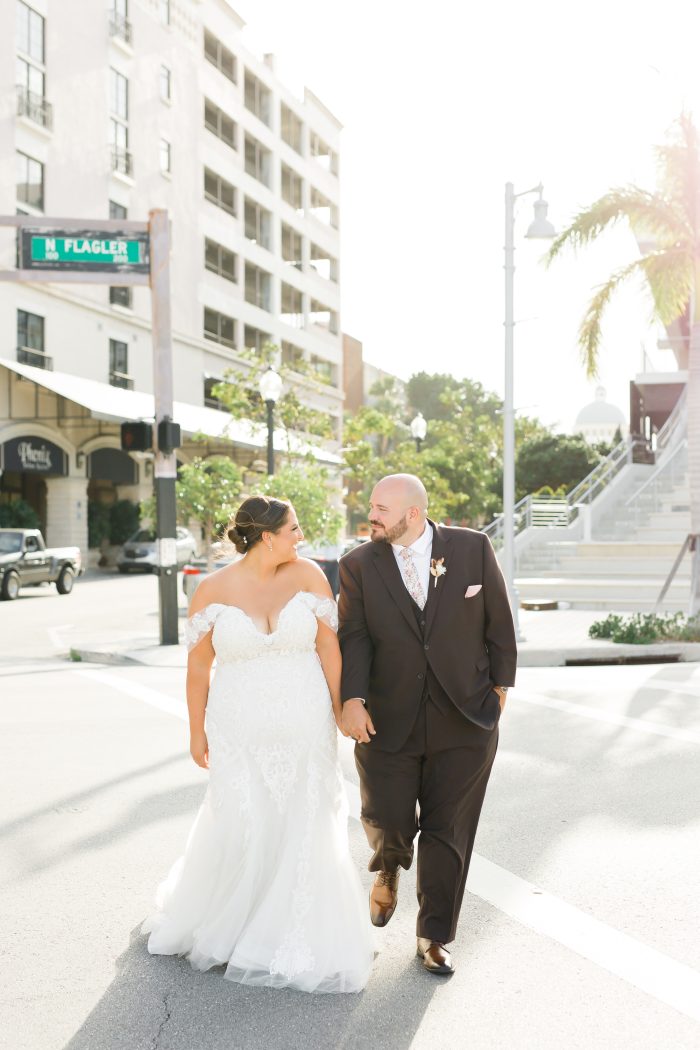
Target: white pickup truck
{"type": "Point", "coordinates": [25, 560]}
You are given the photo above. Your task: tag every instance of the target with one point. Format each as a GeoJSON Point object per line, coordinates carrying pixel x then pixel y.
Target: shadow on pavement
{"type": "Point", "coordinates": [161, 1003]}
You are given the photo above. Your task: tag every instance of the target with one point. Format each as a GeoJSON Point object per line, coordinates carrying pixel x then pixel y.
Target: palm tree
{"type": "Point", "coordinates": [669, 218]}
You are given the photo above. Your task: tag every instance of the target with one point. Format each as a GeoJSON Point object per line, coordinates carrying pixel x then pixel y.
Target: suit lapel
{"type": "Point", "coordinates": [440, 548]}
{"type": "Point", "coordinates": [389, 571]}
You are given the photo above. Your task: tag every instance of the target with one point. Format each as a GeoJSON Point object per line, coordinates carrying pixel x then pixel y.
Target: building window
{"type": "Point", "coordinates": [119, 24]}
{"type": "Point", "coordinates": [255, 339]}
{"type": "Point", "coordinates": [120, 295]}
{"type": "Point", "coordinates": [291, 128]}
{"type": "Point", "coordinates": [257, 98]}
{"type": "Point", "coordinates": [291, 246]}
{"type": "Point", "coordinates": [220, 328]}
{"type": "Point", "coordinates": [323, 263]}
{"type": "Point", "coordinates": [166, 84]}
{"type": "Point", "coordinates": [322, 209]}
{"type": "Point", "coordinates": [119, 122]}
{"type": "Point", "coordinates": [165, 157]}
{"type": "Point", "coordinates": [210, 399]}
{"type": "Point", "coordinates": [292, 356]}
{"type": "Point", "coordinates": [258, 224]}
{"type": "Point", "coordinates": [323, 154]}
{"type": "Point", "coordinates": [30, 181]}
{"type": "Point", "coordinates": [117, 211]}
{"type": "Point", "coordinates": [322, 316]}
{"type": "Point", "coordinates": [220, 260]}
{"type": "Point", "coordinates": [219, 123]}
{"type": "Point", "coordinates": [257, 160]}
{"type": "Point", "coordinates": [118, 365]}
{"type": "Point", "coordinates": [325, 370]}
{"type": "Point", "coordinates": [219, 191]}
{"type": "Point", "coordinates": [292, 188]}
{"type": "Point", "coordinates": [30, 32]}
{"type": "Point", "coordinates": [292, 306]}
{"type": "Point", "coordinates": [258, 286]}
{"type": "Point", "coordinates": [164, 8]}
{"type": "Point", "coordinates": [219, 56]}
{"type": "Point", "coordinates": [30, 334]}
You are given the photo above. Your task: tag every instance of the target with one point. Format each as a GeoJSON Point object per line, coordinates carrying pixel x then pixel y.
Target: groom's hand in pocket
{"type": "Point", "coordinates": [356, 721]}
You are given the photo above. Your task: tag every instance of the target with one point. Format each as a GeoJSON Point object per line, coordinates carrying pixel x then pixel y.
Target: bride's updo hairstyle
{"type": "Point", "coordinates": [256, 515]}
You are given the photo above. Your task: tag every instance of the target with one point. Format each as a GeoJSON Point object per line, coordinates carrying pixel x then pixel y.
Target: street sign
{"type": "Point", "coordinates": [90, 249]}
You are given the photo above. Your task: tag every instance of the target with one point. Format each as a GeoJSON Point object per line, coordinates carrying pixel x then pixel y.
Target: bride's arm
{"type": "Point", "coordinates": [329, 654]}
{"type": "Point", "coordinates": [199, 662]}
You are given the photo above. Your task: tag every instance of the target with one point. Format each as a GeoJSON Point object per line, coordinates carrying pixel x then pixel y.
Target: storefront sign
{"type": "Point", "coordinates": [83, 250]}
{"type": "Point", "coordinates": [33, 455]}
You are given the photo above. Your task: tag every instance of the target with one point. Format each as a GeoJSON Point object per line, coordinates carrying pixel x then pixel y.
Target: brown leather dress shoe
{"type": "Point", "coordinates": [383, 897]}
{"type": "Point", "coordinates": [435, 956]}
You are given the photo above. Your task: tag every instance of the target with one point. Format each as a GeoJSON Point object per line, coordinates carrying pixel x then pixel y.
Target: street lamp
{"type": "Point", "coordinates": [540, 228]}
{"type": "Point", "coordinates": [270, 387]}
{"type": "Point", "coordinates": [419, 428]}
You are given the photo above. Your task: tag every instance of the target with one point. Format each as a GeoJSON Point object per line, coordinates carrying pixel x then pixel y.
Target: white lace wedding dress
{"type": "Point", "coordinates": [266, 884]}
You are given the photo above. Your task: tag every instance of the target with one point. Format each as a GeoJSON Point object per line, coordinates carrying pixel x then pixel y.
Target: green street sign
{"type": "Point", "coordinates": [84, 250]}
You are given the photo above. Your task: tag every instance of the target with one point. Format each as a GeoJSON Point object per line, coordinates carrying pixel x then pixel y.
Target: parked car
{"type": "Point", "coordinates": [140, 552]}
{"type": "Point", "coordinates": [25, 560]}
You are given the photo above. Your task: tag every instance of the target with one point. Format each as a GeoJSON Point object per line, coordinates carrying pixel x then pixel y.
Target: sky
{"type": "Point", "coordinates": [441, 105]}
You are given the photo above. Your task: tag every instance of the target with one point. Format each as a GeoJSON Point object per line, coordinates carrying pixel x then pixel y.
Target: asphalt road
{"type": "Point", "coordinates": [580, 930]}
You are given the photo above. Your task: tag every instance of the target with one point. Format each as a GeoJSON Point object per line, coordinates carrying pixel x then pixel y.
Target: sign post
{"type": "Point", "coordinates": [78, 251]}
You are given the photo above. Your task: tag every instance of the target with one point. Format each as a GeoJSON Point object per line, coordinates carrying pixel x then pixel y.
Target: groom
{"type": "Point", "coordinates": [429, 651]}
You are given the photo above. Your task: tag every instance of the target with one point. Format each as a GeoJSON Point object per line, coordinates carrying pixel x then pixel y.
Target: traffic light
{"type": "Point", "coordinates": [137, 437]}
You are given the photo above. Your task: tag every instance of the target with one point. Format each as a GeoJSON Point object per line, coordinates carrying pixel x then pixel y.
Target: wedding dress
{"type": "Point", "coordinates": [266, 884]}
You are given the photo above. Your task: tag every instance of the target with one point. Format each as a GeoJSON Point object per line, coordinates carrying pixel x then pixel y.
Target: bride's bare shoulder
{"type": "Point", "coordinates": [308, 576]}
{"type": "Point", "coordinates": [215, 588]}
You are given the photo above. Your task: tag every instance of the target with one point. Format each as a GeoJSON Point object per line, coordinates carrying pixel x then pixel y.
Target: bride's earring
{"type": "Point", "coordinates": [269, 546]}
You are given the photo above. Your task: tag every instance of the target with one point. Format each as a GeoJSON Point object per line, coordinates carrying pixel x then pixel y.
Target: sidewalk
{"type": "Point", "coordinates": [551, 639]}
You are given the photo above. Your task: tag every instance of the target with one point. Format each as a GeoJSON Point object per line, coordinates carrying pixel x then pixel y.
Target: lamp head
{"type": "Point", "coordinates": [270, 385]}
{"type": "Point", "coordinates": [541, 228]}
{"type": "Point", "coordinates": [419, 427]}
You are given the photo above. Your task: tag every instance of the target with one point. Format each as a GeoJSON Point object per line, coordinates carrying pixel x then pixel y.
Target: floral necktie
{"type": "Point", "coordinates": [410, 578]}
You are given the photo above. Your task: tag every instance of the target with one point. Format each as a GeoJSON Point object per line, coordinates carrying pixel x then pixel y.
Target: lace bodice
{"type": "Point", "coordinates": [235, 636]}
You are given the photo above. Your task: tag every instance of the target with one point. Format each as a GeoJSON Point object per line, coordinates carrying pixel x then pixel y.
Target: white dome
{"type": "Point", "coordinates": [600, 411]}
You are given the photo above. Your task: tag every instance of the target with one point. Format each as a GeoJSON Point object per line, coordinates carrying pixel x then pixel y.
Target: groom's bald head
{"type": "Point", "coordinates": [398, 508]}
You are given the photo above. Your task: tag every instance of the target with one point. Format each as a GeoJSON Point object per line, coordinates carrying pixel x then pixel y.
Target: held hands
{"type": "Point", "coordinates": [199, 748]}
{"type": "Point", "coordinates": [356, 721]}
{"type": "Point", "coordinates": [502, 695]}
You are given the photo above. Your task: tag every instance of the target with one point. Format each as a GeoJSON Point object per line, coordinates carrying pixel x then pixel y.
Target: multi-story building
{"type": "Point", "coordinates": [112, 110]}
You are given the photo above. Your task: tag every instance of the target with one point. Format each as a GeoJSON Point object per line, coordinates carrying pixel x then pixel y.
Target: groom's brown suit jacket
{"type": "Point", "coordinates": [459, 646]}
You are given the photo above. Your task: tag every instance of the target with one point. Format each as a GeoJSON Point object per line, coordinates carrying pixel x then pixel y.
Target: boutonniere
{"type": "Point", "coordinates": [437, 569]}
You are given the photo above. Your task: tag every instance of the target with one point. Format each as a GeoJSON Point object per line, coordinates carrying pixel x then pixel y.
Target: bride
{"type": "Point", "coordinates": [266, 885]}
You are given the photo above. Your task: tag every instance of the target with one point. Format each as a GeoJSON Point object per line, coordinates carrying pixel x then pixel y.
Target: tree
{"type": "Point", "coordinates": [239, 395]}
{"type": "Point", "coordinates": [555, 461]}
{"type": "Point", "coordinates": [207, 490]}
{"type": "Point", "coordinates": [670, 218]}
{"type": "Point", "coordinates": [307, 490]}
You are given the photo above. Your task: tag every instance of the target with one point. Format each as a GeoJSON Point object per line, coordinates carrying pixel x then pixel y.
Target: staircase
{"type": "Point", "coordinates": [617, 544]}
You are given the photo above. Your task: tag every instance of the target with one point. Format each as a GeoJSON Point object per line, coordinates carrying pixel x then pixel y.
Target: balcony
{"type": "Point", "coordinates": [26, 355]}
{"type": "Point", "coordinates": [122, 161]}
{"type": "Point", "coordinates": [34, 107]}
{"type": "Point", "coordinates": [122, 380]}
{"type": "Point", "coordinates": [120, 27]}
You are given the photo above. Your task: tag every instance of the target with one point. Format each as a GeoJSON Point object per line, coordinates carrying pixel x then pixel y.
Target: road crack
{"type": "Point", "coordinates": [155, 1043]}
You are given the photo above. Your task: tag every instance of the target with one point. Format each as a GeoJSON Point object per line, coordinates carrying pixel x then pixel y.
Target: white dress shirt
{"type": "Point", "coordinates": [421, 551]}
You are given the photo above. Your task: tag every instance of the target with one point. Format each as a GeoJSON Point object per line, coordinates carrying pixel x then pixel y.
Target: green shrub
{"type": "Point", "coordinates": [98, 523]}
{"type": "Point", "coordinates": [123, 520]}
{"type": "Point", "coordinates": [643, 628]}
{"type": "Point", "coordinates": [18, 515]}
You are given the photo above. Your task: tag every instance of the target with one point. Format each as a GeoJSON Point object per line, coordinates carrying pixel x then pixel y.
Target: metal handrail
{"type": "Point", "coordinates": [35, 107]}
{"type": "Point", "coordinates": [120, 26]}
{"type": "Point", "coordinates": [676, 419]}
{"type": "Point", "coordinates": [658, 470]}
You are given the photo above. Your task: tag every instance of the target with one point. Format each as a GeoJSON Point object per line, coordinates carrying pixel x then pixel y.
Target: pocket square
{"type": "Point", "coordinates": [473, 589]}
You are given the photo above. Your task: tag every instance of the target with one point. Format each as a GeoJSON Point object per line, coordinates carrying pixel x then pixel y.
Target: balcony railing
{"type": "Point", "coordinates": [34, 107]}
{"type": "Point", "coordinates": [122, 161]}
{"type": "Point", "coordinates": [120, 27]}
{"type": "Point", "coordinates": [122, 380]}
{"type": "Point", "coordinates": [28, 356]}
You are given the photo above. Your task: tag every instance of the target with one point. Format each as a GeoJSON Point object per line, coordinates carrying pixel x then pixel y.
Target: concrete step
{"type": "Point", "coordinates": [624, 595]}
{"type": "Point", "coordinates": [610, 568]}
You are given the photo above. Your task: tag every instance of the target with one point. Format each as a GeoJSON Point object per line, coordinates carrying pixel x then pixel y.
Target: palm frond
{"type": "Point", "coordinates": [678, 162]}
{"type": "Point", "coordinates": [668, 275]}
{"type": "Point", "coordinates": [648, 214]}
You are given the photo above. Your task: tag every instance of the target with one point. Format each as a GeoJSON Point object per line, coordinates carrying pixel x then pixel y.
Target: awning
{"type": "Point", "coordinates": [114, 404]}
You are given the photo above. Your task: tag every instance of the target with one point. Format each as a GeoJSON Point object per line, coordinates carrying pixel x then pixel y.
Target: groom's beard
{"type": "Point", "coordinates": [391, 535]}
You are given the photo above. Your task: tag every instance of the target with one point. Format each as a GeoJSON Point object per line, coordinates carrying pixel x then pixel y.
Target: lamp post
{"type": "Point", "coordinates": [419, 428]}
{"type": "Point", "coordinates": [540, 228]}
{"type": "Point", "coordinates": [270, 388]}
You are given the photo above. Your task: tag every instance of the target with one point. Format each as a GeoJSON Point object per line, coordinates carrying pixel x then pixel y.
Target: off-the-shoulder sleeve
{"type": "Point", "coordinates": [200, 623]}
{"type": "Point", "coordinates": [325, 609]}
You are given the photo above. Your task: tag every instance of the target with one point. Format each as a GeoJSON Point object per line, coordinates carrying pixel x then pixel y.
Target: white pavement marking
{"type": "Point", "coordinates": [658, 975]}
{"type": "Point", "coordinates": [601, 715]}
{"type": "Point", "coordinates": [55, 633]}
